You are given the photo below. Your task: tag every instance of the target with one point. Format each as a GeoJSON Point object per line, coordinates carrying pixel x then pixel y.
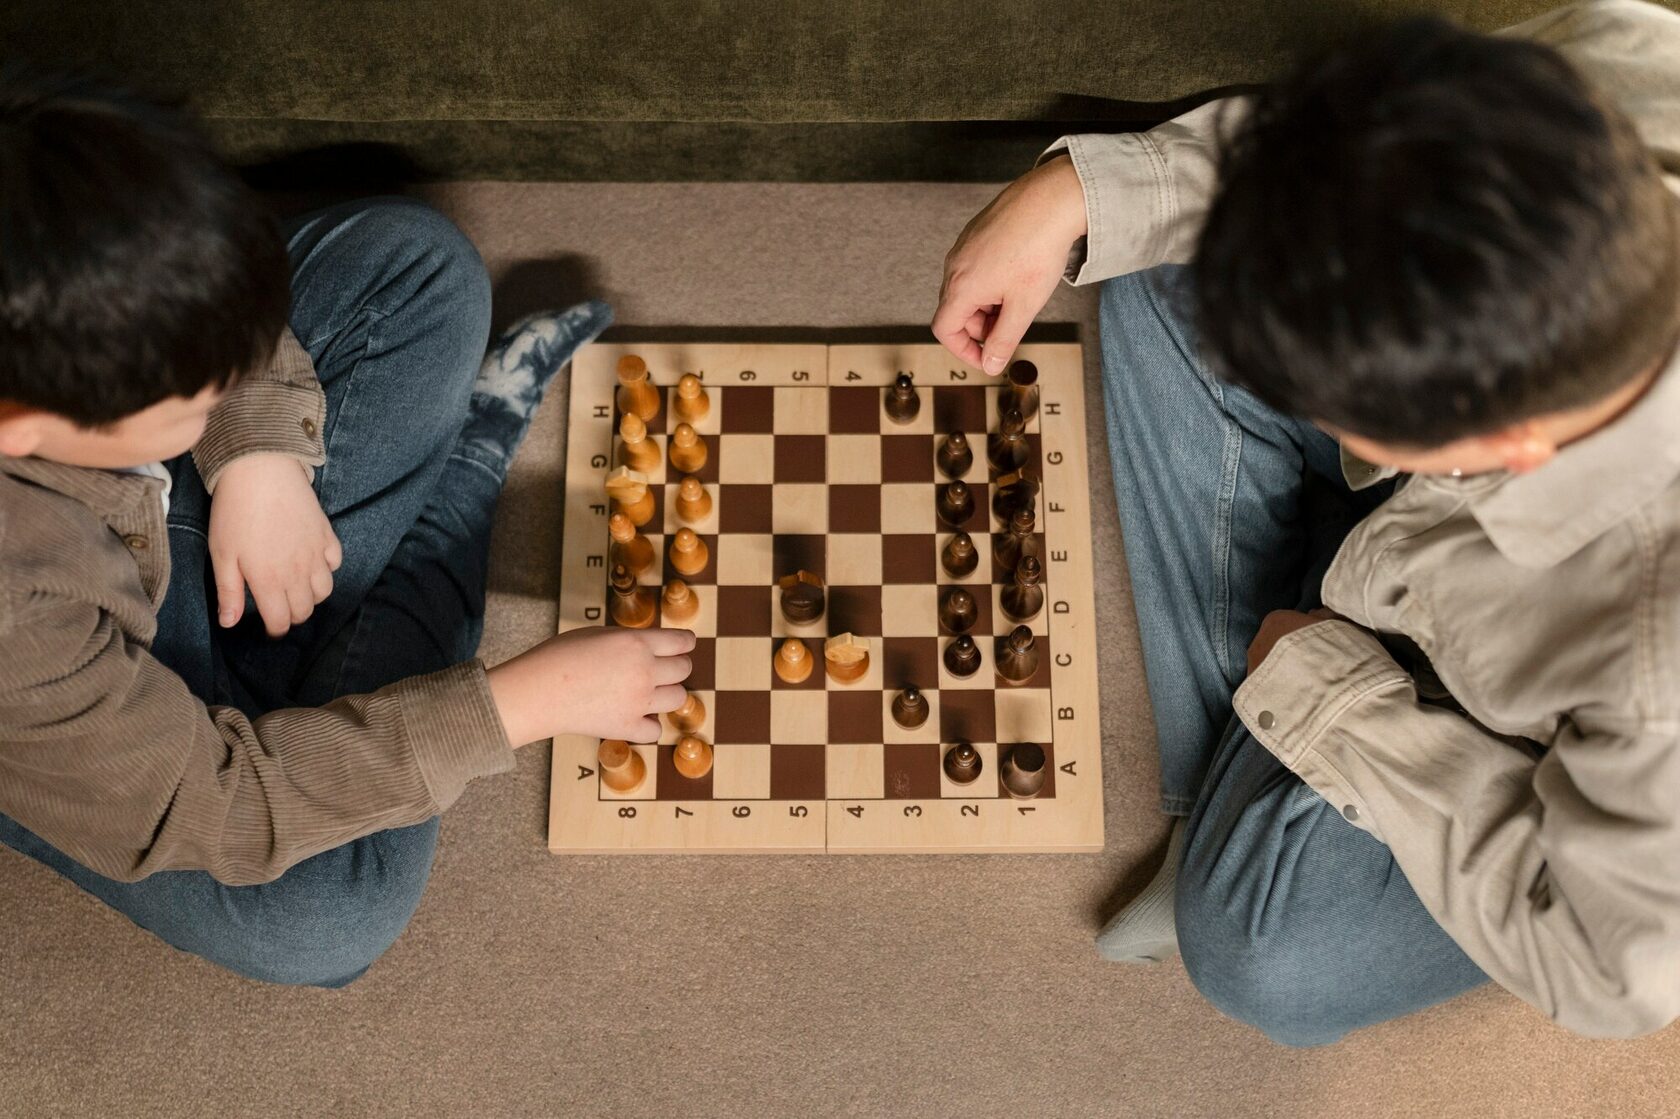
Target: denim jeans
{"type": "Point", "coordinates": [393, 304]}
{"type": "Point", "coordinates": [1289, 917]}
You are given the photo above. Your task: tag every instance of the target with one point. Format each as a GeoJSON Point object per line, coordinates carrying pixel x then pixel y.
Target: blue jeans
{"type": "Point", "coordinates": [393, 304]}
{"type": "Point", "coordinates": [1289, 917]}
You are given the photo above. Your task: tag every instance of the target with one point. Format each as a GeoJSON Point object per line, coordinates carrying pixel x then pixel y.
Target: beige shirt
{"type": "Point", "coordinates": [1548, 604]}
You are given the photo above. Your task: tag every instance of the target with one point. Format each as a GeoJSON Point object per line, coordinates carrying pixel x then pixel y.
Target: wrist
{"type": "Point", "coordinates": [1064, 195]}
{"type": "Point", "coordinates": [505, 695]}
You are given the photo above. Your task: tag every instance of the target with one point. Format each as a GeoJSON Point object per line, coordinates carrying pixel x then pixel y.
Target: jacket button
{"type": "Point", "coordinates": [1350, 811]}
{"type": "Point", "coordinates": [309, 428]}
{"type": "Point", "coordinates": [136, 542]}
{"type": "Point", "coordinates": [1267, 720]}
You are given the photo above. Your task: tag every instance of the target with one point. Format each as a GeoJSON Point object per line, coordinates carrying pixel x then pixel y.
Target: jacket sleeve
{"type": "Point", "coordinates": [279, 409]}
{"type": "Point", "coordinates": [117, 764]}
{"type": "Point", "coordinates": [1559, 877]}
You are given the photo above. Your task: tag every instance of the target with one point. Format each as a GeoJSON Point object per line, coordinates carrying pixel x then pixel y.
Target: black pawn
{"type": "Point", "coordinates": [958, 612]}
{"type": "Point", "coordinates": [1016, 540]}
{"type": "Point", "coordinates": [962, 763]}
{"type": "Point", "coordinates": [959, 557]}
{"type": "Point", "coordinates": [956, 503]}
{"type": "Point", "coordinates": [1007, 449]}
{"type": "Point", "coordinates": [1021, 393]}
{"type": "Point", "coordinates": [1024, 598]}
{"type": "Point", "coordinates": [1022, 769]}
{"type": "Point", "coordinates": [910, 708]}
{"type": "Point", "coordinates": [1017, 658]}
{"type": "Point", "coordinates": [902, 402]}
{"type": "Point", "coordinates": [955, 455]}
{"type": "Point", "coordinates": [962, 657]}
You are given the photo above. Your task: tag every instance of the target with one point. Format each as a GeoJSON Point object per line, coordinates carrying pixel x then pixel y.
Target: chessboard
{"type": "Point", "coordinates": [814, 472]}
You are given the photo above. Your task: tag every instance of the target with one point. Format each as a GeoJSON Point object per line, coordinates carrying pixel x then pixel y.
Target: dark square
{"type": "Point", "coordinates": [982, 609]}
{"type": "Point", "coordinates": [743, 612]}
{"type": "Point", "coordinates": [967, 715]}
{"type": "Point", "coordinates": [791, 552]}
{"type": "Point", "coordinates": [907, 458]}
{"type": "Point", "coordinates": [671, 785]}
{"type": "Point", "coordinates": [854, 411]}
{"type": "Point", "coordinates": [707, 473]}
{"type": "Point", "coordinates": [742, 717]}
{"type": "Point", "coordinates": [1041, 641]}
{"type": "Point", "coordinates": [854, 508]}
{"type": "Point", "coordinates": [910, 660]}
{"type": "Point", "coordinates": [811, 683]}
{"type": "Point", "coordinates": [703, 674]}
{"type": "Point", "coordinates": [909, 557]}
{"type": "Point", "coordinates": [959, 409]}
{"type": "Point", "coordinates": [854, 610]}
{"type": "Point", "coordinates": [747, 410]}
{"type": "Point", "coordinates": [854, 717]}
{"type": "Point", "coordinates": [1035, 455]}
{"type": "Point", "coordinates": [979, 522]}
{"type": "Point", "coordinates": [744, 508]}
{"type": "Point", "coordinates": [1049, 789]}
{"type": "Point", "coordinates": [1002, 575]}
{"type": "Point", "coordinates": [911, 772]}
{"type": "Point", "coordinates": [801, 458]}
{"type": "Point", "coordinates": [655, 425]}
{"type": "Point", "coordinates": [705, 577]}
{"type": "Point", "coordinates": [798, 772]}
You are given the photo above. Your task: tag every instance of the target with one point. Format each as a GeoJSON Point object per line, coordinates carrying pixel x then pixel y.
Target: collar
{"type": "Point", "coordinates": [111, 495]}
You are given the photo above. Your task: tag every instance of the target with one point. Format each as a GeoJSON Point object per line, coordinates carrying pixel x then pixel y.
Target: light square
{"type": "Point", "coordinates": [746, 458]}
{"type": "Point", "coordinates": [909, 610]}
{"type": "Point", "coordinates": [802, 411]}
{"type": "Point", "coordinates": [854, 559]}
{"type": "Point", "coordinates": [982, 573]}
{"type": "Point", "coordinates": [1024, 715]}
{"type": "Point", "coordinates": [927, 732]}
{"type": "Point", "coordinates": [745, 560]}
{"type": "Point", "coordinates": [799, 509]}
{"type": "Point", "coordinates": [871, 678]}
{"type": "Point", "coordinates": [741, 772]}
{"type": "Point", "coordinates": [743, 664]}
{"type": "Point", "coordinates": [983, 678]}
{"type": "Point", "coordinates": [854, 459]}
{"type": "Point", "coordinates": [798, 718]}
{"type": "Point", "coordinates": [709, 424]}
{"type": "Point", "coordinates": [977, 470]}
{"type": "Point", "coordinates": [668, 734]}
{"type": "Point", "coordinates": [646, 790]}
{"type": "Point", "coordinates": [983, 787]}
{"type": "Point", "coordinates": [907, 507]}
{"type": "Point", "coordinates": [855, 772]}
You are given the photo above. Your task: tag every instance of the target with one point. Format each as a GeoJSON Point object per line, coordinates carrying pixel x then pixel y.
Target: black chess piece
{"type": "Point", "coordinates": [962, 657]}
{"type": "Point", "coordinates": [910, 708]}
{"type": "Point", "coordinates": [956, 503]}
{"type": "Point", "coordinates": [1022, 600]}
{"type": "Point", "coordinates": [632, 604]}
{"type": "Point", "coordinates": [963, 763]}
{"type": "Point", "coordinates": [1022, 770]}
{"type": "Point", "coordinates": [1018, 490]}
{"type": "Point", "coordinates": [959, 557]}
{"type": "Point", "coordinates": [803, 598]}
{"type": "Point", "coordinates": [1017, 656]}
{"type": "Point", "coordinates": [1016, 540]}
{"type": "Point", "coordinates": [958, 611]}
{"type": "Point", "coordinates": [955, 455]}
{"type": "Point", "coordinates": [1021, 393]}
{"type": "Point", "coordinates": [902, 402]}
{"type": "Point", "coordinates": [1007, 449]}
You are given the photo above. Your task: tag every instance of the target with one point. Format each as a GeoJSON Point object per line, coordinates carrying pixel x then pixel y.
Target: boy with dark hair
{"type": "Point", "coordinates": [260, 790]}
{"type": "Point", "coordinates": [1457, 257]}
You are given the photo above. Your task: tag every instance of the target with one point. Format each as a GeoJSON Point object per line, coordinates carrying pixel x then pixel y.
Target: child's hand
{"type": "Point", "coordinates": [268, 533]}
{"type": "Point", "coordinates": [1006, 263]}
{"type": "Point", "coordinates": [605, 683]}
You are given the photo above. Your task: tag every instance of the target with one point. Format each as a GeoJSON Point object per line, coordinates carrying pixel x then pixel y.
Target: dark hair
{"type": "Point", "coordinates": [134, 266]}
{"type": "Point", "coordinates": [1432, 234]}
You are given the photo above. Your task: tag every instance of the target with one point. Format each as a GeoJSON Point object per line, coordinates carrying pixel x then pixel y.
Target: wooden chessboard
{"type": "Point", "coordinates": [807, 472]}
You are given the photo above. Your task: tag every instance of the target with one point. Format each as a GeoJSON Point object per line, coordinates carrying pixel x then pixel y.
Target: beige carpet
{"type": "Point", "coordinates": [747, 986]}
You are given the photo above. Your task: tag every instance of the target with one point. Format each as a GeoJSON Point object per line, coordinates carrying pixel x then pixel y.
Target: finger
{"type": "Point", "coordinates": [644, 730]}
{"type": "Point", "coordinates": [321, 584]}
{"type": "Point", "coordinates": [275, 610]}
{"type": "Point", "coordinates": [1013, 318]}
{"type": "Point", "coordinates": [334, 552]}
{"type": "Point", "coordinates": [230, 590]}
{"type": "Point", "coordinates": [950, 326]}
{"type": "Point", "coordinates": [297, 598]}
{"type": "Point", "coordinates": [978, 325]}
{"type": "Point", "coordinates": [672, 670]}
{"type": "Point", "coordinates": [670, 642]}
{"type": "Point", "coordinates": [667, 697]}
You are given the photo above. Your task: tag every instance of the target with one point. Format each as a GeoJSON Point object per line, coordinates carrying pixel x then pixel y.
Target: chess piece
{"type": "Point", "coordinates": [1022, 600]}
{"type": "Point", "coordinates": [959, 557]}
{"type": "Point", "coordinates": [694, 501]}
{"type": "Point", "coordinates": [803, 599]}
{"type": "Point", "coordinates": [793, 661]}
{"type": "Point", "coordinates": [958, 611]}
{"type": "Point", "coordinates": [1022, 770]}
{"type": "Point", "coordinates": [910, 707]}
{"type": "Point", "coordinates": [689, 554]}
{"type": "Point", "coordinates": [1007, 449]}
{"type": "Point", "coordinates": [692, 403]}
{"type": "Point", "coordinates": [901, 402]}
{"type": "Point", "coordinates": [963, 764]}
{"type": "Point", "coordinates": [692, 757]}
{"type": "Point", "coordinates": [846, 658]}
{"type": "Point", "coordinates": [635, 394]}
{"type": "Point", "coordinates": [630, 495]}
{"type": "Point", "coordinates": [622, 769]}
{"type": "Point", "coordinates": [679, 604]}
{"type": "Point", "coordinates": [1015, 541]}
{"type": "Point", "coordinates": [1017, 656]}
{"type": "Point", "coordinates": [955, 455]}
{"type": "Point", "coordinates": [636, 450]}
{"type": "Point", "coordinates": [688, 450]}
{"type": "Point", "coordinates": [962, 657]}
{"type": "Point", "coordinates": [632, 604]}
{"type": "Point", "coordinates": [1016, 490]}
{"type": "Point", "coordinates": [691, 716]}
{"type": "Point", "coordinates": [956, 503]}
{"type": "Point", "coordinates": [1021, 393]}
{"type": "Point", "coordinates": [629, 547]}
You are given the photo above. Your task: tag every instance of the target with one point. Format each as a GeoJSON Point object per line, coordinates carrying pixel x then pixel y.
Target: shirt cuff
{"type": "Point", "coordinates": [262, 417]}
{"type": "Point", "coordinates": [454, 728]}
{"type": "Point", "coordinates": [1310, 683]}
{"type": "Point", "coordinates": [1128, 203]}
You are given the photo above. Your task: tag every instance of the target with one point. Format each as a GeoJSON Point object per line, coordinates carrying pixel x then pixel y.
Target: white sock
{"type": "Point", "coordinates": [1145, 932]}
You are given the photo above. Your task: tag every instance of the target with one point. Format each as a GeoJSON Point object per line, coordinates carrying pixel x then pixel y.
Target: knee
{"type": "Point", "coordinates": [432, 267]}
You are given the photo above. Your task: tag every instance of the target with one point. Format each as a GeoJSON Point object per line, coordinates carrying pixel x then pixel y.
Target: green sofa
{"type": "Point", "coordinates": [697, 90]}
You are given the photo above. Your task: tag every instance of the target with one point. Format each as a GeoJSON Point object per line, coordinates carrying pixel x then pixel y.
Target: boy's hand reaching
{"type": "Point", "coordinates": [606, 683]}
{"type": "Point", "coordinates": [268, 533]}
